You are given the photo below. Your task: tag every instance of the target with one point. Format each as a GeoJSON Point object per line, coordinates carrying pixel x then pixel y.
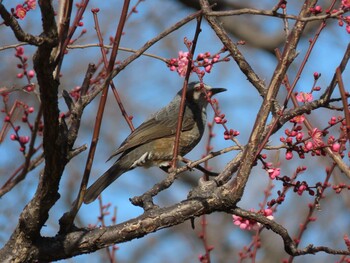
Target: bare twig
{"type": "Point", "coordinates": [251, 11]}
{"type": "Point", "coordinates": [184, 90]}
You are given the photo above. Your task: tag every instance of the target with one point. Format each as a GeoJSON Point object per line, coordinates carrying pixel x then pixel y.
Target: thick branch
{"type": "Point", "coordinates": [87, 241]}
{"type": "Point", "coordinates": [11, 21]}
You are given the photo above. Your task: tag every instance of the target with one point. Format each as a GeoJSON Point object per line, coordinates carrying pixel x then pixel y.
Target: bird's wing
{"type": "Point", "coordinates": [152, 129]}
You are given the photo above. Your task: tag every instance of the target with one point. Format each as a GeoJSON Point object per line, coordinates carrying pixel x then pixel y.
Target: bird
{"type": "Point", "coordinates": [152, 143]}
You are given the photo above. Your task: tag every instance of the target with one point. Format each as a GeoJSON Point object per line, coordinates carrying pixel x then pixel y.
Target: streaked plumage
{"type": "Point", "coordinates": [152, 143]}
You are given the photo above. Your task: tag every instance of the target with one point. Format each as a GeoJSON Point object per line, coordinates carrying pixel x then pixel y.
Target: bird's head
{"type": "Point", "coordinates": [198, 93]}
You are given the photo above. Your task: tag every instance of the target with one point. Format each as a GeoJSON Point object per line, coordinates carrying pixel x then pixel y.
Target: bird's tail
{"type": "Point", "coordinates": [103, 182]}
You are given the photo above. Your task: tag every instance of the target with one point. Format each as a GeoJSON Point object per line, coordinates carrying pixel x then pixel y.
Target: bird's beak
{"type": "Point", "coordinates": [217, 90]}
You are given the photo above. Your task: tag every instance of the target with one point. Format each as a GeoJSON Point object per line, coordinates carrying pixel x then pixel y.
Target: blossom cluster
{"type": "Point", "coordinates": [10, 120]}
{"type": "Point", "coordinates": [21, 10]}
{"type": "Point", "coordinates": [203, 63]}
{"type": "Point", "coordinates": [23, 66]}
{"type": "Point", "coordinates": [296, 140]}
{"type": "Point", "coordinates": [345, 5]}
{"type": "Point", "coordinates": [249, 224]}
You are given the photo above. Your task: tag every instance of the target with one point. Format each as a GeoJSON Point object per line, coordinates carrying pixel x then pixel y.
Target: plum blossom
{"type": "Point", "coordinates": [304, 97]}
{"type": "Point", "coordinates": [298, 119]}
{"type": "Point", "coordinates": [20, 12]}
{"type": "Point", "coordinates": [248, 224]}
{"type": "Point", "coordinates": [31, 4]}
{"type": "Point", "coordinates": [274, 172]}
{"type": "Point", "coordinates": [345, 3]}
{"type": "Point", "coordinates": [244, 224]}
{"type": "Point", "coordinates": [180, 64]}
{"type": "Point", "coordinates": [316, 136]}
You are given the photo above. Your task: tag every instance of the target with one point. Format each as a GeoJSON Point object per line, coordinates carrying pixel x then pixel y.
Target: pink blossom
{"type": "Point", "coordinates": [31, 4]}
{"type": "Point", "coordinates": [248, 224]}
{"type": "Point", "coordinates": [345, 3]}
{"type": "Point", "coordinates": [20, 12]}
{"type": "Point", "coordinates": [182, 63]}
{"type": "Point", "coordinates": [304, 97]}
{"type": "Point", "coordinates": [244, 224]}
{"type": "Point", "coordinates": [316, 136]}
{"type": "Point", "coordinates": [298, 119]}
{"type": "Point", "coordinates": [274, 172]}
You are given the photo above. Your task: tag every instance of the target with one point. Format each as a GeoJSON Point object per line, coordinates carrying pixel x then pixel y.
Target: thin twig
{"type": "Point", "coordinates": [251, 11]}
{"type": "Point", "coordinates": [184, 90]}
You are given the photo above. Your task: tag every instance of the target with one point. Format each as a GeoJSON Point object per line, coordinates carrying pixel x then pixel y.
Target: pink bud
{"type": "Point", "coordinates": [289, 155]}
{"type": "Point", "coordinates": [318, 9]}
{"type": "Point", "coordinates": [336, 147]}
{"type": "Point", "coordinates": [200, 56]}
{"type": "Point", "coordinates": [208, 68]}
{"type": "Point", "coordinates": [299, 136]}
{"type": "Point", "coordinates": [24, 139]}
{"type": "Point", "coordinates": [31, 73]}
{"type": "Point", "coordinates": [217, 119]}
{"type": "Point", "coordinates": [309, 146]}
{"type": "Point", "coordinates": [29, 88]}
